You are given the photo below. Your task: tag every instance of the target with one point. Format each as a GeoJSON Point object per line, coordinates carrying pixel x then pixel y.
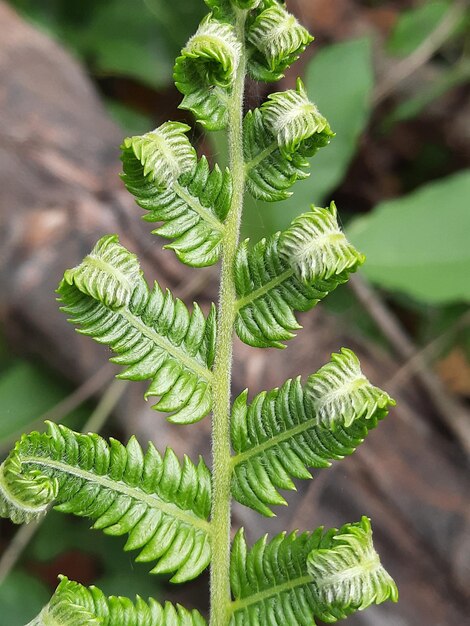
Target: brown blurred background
{"type": "Point", "coordinates": [393, 79]}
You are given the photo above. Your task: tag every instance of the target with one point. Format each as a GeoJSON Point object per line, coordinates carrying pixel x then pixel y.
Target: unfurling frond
{"type": "Point", "coordinates": [348, 575]}
{"type": "Point", "coordinates": [164, 154]}
{"type": "Point", "coordinates": [316, 248]}
{"type": "Point", "coordinates": [75, 605]}
{"type": "Point", "coordinates": [279, 139]}
{"type": "Point", "coordinates": [162, 505]}
{"type": "Point", "coordinates": [285, 431]}
{"type": "Point", "coordinates": [152, 333]}
{"type": "Point", "coordinates": [205, 72]}
{"type": "Point", "coordinates": [290, 271]}
{"type": "Point", "coordinates": [340, 394]}
{"type": "Point", "coordinates": [294, 579]}
{"type": "Point", "coordinates": [176, 189]}
{"type": "Point", "coordinates": [278, 40]}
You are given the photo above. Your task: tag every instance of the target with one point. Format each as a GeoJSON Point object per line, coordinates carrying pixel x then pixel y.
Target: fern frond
{"type": "Point", "coordinates": [190, 200]}
{"type": "Point", "coordinates": [339, 394]}
{"type": "Point", "coordinates": [75, 605]}
{"type": "Point", "coordinates": [164, 153]}
{"type": "Point", "coordinates": [294, 579]}
{"type": "Point", "coordinates": [205, 72]}
{"type": "Point", "coordinates": [152, 333]}
{"type": "Point", "coordinates": [277, 40]}
{"type": "Point", "coordinates": [290, 271]}
{"type": "Point", "coordinates": [285, 431]}
{"type": "Point", "coordinates": [279, 139]}
{"type": "Point", "coordinates": [349, 556]}
{"type": "Point", "coordinates": [224, 9]}
{"type": "Point", "coordinates": [162, 505]}
{"type": "Point", "coordinates": [316, 248]}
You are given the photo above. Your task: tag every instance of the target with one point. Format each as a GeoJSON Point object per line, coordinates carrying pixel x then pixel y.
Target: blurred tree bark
{"type": "Point", "coordinates": [60, 191]}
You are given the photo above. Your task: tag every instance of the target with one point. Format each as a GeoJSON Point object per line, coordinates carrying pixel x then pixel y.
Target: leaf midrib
{"type": "Point", "coordinates": [274, 441]}
{"type": "Point", "coordinates": [152, 501]}
{"type": "Point", "coordinates": [261, 596]}
{"type": "Point", "coordinates": [259, 158]}
{"type": "Point", "coordinates": [121, 277]}
{"type": "Point", "coordinates": [134, 320]}
{"type": "Point", "coordinates": [163, 343]}
{"type": "Point", "coordinates": [197, 207]}
{"type": "Point", "coordinates": [261, 291]}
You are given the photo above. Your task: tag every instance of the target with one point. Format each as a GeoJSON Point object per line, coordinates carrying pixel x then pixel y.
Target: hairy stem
{"type": "Point", "coordinates": [222, 468]}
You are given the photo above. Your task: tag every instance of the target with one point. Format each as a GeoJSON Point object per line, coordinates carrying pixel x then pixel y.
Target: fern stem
{"type": "Point", "coordinates": [222, 468]}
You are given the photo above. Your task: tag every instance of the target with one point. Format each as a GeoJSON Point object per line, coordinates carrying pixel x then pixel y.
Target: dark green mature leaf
{"type": "Point", "coordinates": [284, 431]}
{"type": "Point", "coordinates": [290, 271]}
{"type": "Point", "coordinates": [152, 333]}
{"type": "Point", "coordinates": [75, 605]}
{"type": "Point", "coordinates": [294, 579]}
{"type": "Point", "coordinates": [161, 170]}
{"type": "Point", "coordinates": [419, 244]}
{"type": "Point", "coordinates": [279, 138]}
{"type": "Point", "coordinates": [205, 72]}
{"type": "Point", "coordinates": [163, 506]}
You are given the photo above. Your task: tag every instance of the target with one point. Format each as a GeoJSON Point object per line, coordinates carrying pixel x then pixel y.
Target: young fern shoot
{"type": "Point", "coordinates": [176, 514]}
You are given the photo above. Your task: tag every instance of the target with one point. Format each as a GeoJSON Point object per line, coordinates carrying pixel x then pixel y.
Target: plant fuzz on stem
{"type": "Point", "coordinates": [176, 514]}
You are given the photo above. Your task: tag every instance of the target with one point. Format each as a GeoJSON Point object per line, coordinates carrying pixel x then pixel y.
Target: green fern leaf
{"type": "Point", "coordinates": [153, 334]}
{"type": "Point", "coordinates": [294, 579]}
{"type": "Point", "coordinates": [279, 139]}
{"type": "Point", "coordinates": [179, 191]}
{"type": "Point", "coordinates": [277, 40]}
{"type": "Point", "coordinates": [75, 605]}
{"type": "Point", "coordinates": [290, 271]}
{"type": "Point", "coordinates": [283, 432]}
{"type": "Point", "coordinates": [163, 506]}
{"type": "Point", "coordinates": [205, 72]}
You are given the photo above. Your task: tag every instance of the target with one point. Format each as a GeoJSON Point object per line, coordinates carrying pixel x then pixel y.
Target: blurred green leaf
{"type": "Point", "coordinates": [21, 598]}
{"type": "Point", "coordinates": [26, 391]}
{"type": "Point", "coordinates": [122, 40]}
{"type": "Point", "coordinates": [414, 26]}
{"type": "Point", "coordinates": [419, 244]}
{"type": "Point", "coordinates": [450, 78]}
{"type": "Point", "coordinates": [132, 122]}
{"type": "Point", "coordinates": [131, 38]}
{"type": "Point", "coordinates": [339, 80]}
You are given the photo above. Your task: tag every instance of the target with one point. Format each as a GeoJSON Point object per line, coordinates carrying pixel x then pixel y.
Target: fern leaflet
{"type": "Point", "coordinates": [75, 605]}
{"type": "Point", "coordinates": [279, 138]}
{"type": "Point", "coordinates": [290, 271]}
{"type": "Point", "coordinates": [277, 41]}
{"type": "Point", "coordinates": [163, 506]}
{"type": "Point", "coordinates": [294, 579]}
{"type": "Point", "coordinates": [190, 200]}
{"type": "Point", "coordinates": [283, 432]}
{"type": "Point", "coordinates": [152, 333]}
{"type": "Point", "coordinates": [205, 72]}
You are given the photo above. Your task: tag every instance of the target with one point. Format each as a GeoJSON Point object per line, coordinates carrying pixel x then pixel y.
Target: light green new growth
{"type": "Point", "coordinates": [177, 515]}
